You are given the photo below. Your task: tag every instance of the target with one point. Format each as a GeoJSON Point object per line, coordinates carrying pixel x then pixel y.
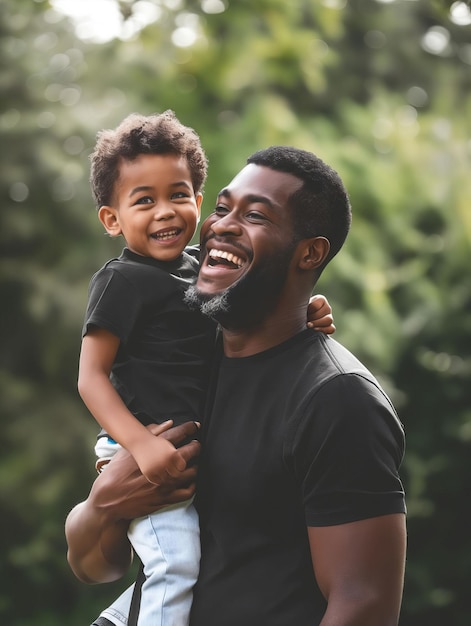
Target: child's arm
{"type": "Point", "coordinates": [155, 456]}
{"type": "Point", "coordinates": [319, 315]}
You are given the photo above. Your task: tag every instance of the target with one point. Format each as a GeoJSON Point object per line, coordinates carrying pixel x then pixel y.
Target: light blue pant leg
{"type": "Point", "coordinates": [168, 545]}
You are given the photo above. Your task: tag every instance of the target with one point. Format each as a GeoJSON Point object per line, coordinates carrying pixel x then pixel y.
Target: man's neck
{"type": "Point", "coordinates": [265, 335]}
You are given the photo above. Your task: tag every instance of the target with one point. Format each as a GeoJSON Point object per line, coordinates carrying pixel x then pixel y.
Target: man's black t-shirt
{"type": "Point", "coordinates": [300, 435]}
{"type": "Point", "coordinates": [161, 368]}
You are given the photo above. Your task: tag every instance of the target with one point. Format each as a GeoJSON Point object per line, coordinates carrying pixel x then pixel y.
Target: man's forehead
{"type": "Point", "coordinates": [261, 180]}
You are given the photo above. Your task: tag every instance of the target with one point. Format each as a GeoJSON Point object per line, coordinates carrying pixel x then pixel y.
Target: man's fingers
{"type": "Point", "coordinates": [181, 494]}
{"type": "Point", "coordinates": [190, 452]}
{"type": "Point", "coordinates": [177, 434]}
{"type": "Point", "coordinates": [184, 465]}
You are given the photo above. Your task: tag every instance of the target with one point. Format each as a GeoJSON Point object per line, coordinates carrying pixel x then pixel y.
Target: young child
{"type": "Point", "coordinates": [145, 356]}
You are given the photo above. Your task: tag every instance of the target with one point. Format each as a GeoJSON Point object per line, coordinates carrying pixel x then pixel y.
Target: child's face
{"type": "Point", "coordinates": [154, 206]}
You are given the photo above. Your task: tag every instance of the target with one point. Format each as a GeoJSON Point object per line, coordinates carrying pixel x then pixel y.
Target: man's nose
{"type": "Point", "coordinates": [227, 224]}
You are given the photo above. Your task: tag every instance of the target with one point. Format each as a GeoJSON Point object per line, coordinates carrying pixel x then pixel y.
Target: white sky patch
{"type": "Point", "coordinates": [100, 21]}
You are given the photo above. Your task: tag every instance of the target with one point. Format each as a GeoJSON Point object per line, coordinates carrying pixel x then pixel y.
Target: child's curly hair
{"type": "Point", "coordinates": [141, 134]}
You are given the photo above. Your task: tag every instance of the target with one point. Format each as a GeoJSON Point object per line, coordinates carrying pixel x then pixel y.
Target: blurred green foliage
{"type": "Point", "coordinates": [380, 90]}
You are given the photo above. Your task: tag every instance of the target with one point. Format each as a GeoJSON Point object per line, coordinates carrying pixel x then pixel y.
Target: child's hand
{"type": "Point", "coordinates": [319, 315]}
{"type": "Point", "coordinates": [158, 459]}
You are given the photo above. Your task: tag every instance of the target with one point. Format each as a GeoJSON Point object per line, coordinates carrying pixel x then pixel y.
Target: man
{"type": "Point", "coordinates": [301, 506]}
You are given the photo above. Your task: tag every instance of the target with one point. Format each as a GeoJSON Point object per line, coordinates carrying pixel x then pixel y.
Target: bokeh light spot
{"type": "Point", "coordinates": [19, 192]}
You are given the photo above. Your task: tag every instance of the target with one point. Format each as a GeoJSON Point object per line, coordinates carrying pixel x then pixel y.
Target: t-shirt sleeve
{"type": "Point", "coordinates": [113, 304]}
{"type": "Point", "coordinates": [347, 450]}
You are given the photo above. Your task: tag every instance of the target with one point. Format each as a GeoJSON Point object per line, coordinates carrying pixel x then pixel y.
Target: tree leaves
{"type": "Point", "coordinates": [378, 90]}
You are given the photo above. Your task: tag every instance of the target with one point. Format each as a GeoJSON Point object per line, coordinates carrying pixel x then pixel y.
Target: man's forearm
{"type": "Point", "coordinates": [96, 530]}
{"type": "Point", "coordinates": [99, 550]}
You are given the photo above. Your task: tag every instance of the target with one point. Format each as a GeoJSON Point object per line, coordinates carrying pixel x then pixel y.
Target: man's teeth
{"type": "Point", "coordinates": [227, 256]}
{"type": "Point", "coordinates": [167, 235]}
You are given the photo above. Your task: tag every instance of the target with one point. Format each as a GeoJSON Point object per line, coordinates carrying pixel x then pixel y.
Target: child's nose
{"type": "Point", "coordinates": [164, 212]}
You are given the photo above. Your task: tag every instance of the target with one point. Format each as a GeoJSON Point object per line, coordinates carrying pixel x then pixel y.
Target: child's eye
{"type": "Point", "coordinates": [180, 194]}
{"type": "Point", "coordinates": [144, 200]}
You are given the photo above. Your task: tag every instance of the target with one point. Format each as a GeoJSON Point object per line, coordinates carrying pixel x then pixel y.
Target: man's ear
{"type": "Point", "coordinates": [109, 218]}
{"type": "Point", "coordinates": [314, 253]}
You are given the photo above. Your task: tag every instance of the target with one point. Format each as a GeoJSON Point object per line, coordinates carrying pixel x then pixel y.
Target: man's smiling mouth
{"type": "Point", "coordinates": [217, 257]}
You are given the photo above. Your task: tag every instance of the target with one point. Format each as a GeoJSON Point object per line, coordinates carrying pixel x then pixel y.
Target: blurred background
{"type": "Point", "coordinates": [381, 90]}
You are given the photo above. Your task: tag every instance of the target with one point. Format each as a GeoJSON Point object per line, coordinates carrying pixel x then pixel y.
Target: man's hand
{"type": "Point", "coordinates": [96, 529]}
{"type": "Point", "coordinates": [127, 494]}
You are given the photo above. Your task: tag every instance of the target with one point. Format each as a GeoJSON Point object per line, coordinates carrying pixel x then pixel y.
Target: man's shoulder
{"type": "Point", "coordinates": [327, 363]}
{"type": "Point", "coordinates": [336, 387]}
{"type": "Point", "coordinates": [340, 356]}
{"type": "Point", "coordinates": [327, 354]}
{"type": "Point", "coordinates": [341, 373]}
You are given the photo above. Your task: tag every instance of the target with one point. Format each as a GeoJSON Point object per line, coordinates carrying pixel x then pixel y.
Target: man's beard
{"type": "Point", "coordinates": [245, 304]}
{"type": "Point", "coordinates": [211, 306]}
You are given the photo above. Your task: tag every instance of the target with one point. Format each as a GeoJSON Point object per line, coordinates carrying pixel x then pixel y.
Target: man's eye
{"type": "Point", "coordinates": [221, 210]}
{"type": "Point", "coordinates": [255, 215]}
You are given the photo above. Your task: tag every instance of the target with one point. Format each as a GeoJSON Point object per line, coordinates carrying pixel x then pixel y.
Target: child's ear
{"type": "Point", "coordinates": [109, 218]}
{"type": "Point", "coordinates": [199, 200]}
{"type": "Point", "coordinates": [314, 252]}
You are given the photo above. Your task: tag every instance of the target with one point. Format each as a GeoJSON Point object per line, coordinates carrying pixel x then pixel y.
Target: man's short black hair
{"type": "Point", "coordinates": [321, 207]}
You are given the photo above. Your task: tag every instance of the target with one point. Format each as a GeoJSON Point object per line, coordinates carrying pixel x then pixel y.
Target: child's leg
{"type": "Point", "coordinates": [105, 449]}
{"type": "Point", "coordinates": [168, 545]}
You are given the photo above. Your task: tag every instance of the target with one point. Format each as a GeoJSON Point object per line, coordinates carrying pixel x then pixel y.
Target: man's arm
{"type": "Point", "coordinates": [96, 530]}
{"type": "Point", "coordinates": [359, 568]}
